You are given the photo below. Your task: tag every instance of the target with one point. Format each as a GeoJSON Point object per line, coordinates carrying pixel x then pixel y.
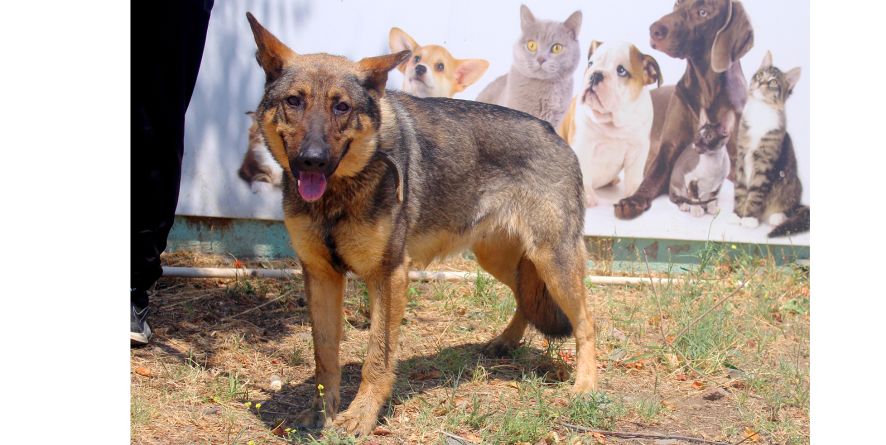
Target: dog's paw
{"type": "Point", "coordinates": [584, 386]}
{"type": "Point", "coordinates": [360, 418]}
{"type": "Point", "coordinates": [733, 218]}
{"type": "Point", "coordinates": [684, 207]}
{"type": "Point", "coordinates": [750, 222]}
{"type": "Point", "coordinates": [712, 208]}
{"type": "Point", "coordinates": [776, 219]}
{"type": "Point", "coordinates": [311, 419]}
{"type": "Point", "coordinates": [320, 413]}
{"type": "Point", "coordinates": [632, 207]}
{"type": "Point", "coordinates": [499, 347]}
{"type": "Point", "coordinates": [696, 211]}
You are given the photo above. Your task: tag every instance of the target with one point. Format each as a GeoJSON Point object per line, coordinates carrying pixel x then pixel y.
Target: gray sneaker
{"type": "Point", "coordinates": [139, 331]}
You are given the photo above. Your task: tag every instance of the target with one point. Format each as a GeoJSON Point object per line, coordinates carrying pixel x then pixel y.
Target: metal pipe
{"type": "Point", "coordinates": [416, 275]}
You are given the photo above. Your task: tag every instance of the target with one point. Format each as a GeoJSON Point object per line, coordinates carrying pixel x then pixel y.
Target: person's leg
{"type": "Point", "coordinates": [167, 46]}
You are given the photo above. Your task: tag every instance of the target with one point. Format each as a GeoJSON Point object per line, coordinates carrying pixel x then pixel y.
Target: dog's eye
{"type": "Point", "coordinates": [532, 45]}
{"type": "Point", "coordinates": [702, 13]}
{"type": "Point", "coordinates": [416, 59]}
{"type": "Point", "coordinates": [557, 48]}
{"type": "Point", "coordinates": [341, 108]}
{"type": "Point", "coordinates": [439, 66]}
{"type": "Point", "coordinates": [622, 72]}
{"type": "Point", "coordinates": [294, 101]}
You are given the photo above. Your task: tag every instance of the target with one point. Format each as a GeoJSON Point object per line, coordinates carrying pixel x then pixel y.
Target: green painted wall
{"type": "Point", "coordinates": [250, 238]}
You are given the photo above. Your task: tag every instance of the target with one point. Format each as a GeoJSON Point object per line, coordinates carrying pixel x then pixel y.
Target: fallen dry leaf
{"type": "Point", "coordinates": [697, 385]}
{"type": "Point", "coordinates": [426, 374]}
{"type": "Point", "coordinates": [279, 431]}
{"type": "Point", "coordinates": [381, 431]}
{"type": "Point", "coordinates": [599, 438]}
{"type": "Point", "coordinates": [750, 435]}
{"type": "Point", "coordinates": [681, 377]}
{"type": "Point", "coordinates": [143, 371]}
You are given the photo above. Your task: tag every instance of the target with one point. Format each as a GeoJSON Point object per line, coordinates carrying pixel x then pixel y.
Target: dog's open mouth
{"type": "Point", "coordinates": [311, 185]}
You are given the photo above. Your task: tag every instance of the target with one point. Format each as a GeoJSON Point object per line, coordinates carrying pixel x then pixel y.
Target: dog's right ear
{"type": "Point", "coordinates": [594, 45]}
{"type": "Point", "coordinates": [733, 40]}
{"type": "Point", "coordinates": [272, 55]}
{"type": "Point", "coordinates": [374, 70]}
{"type": "Point", "coordinates": [400, 41]}
{"type": "Point", "coordinates": [651, 70]}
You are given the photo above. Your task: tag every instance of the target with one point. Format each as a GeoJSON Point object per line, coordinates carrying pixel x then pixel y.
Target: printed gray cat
{"type": "Point", "coordinates": [540, 80]}
{"type": "Point", "coordinates": [700, 171]}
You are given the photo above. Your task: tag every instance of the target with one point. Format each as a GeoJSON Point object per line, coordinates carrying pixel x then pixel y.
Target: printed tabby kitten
{"type": "Point", "coordinates": [700, 171]}
{"type": "Point", "coordinates": [766, 184]}
{"type": "Point", "coordinates": [540, 79]}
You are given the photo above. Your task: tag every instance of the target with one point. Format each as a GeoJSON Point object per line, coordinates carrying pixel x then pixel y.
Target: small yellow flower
{"type": "Point", "coordinates": [288, 430]}
{"type": "Point", "coordinates": [733, 247]}
{"type": "Point", "coordinates": [258, 406]}
{"type": "Point", "coordinates": [247, 404]}
{"type": "Point", "coordinates": [320, 386]}
{"type": "Point", "coordinates": [251, 442]}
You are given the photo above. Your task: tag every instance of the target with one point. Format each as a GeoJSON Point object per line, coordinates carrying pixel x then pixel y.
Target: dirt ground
{"type": "Point", "coordinates": [722, 356]}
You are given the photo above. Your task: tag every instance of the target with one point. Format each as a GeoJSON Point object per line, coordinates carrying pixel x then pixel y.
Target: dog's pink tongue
{"type": "Point", "coordinates": [311, 185]}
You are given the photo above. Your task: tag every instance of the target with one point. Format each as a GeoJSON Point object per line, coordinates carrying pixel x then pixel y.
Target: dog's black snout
{"type": "Point", "coordinates": [596, 78]}
{"type": "Point", "coordinates": [658, 31]}
{"type": "Point", "coordinates": [420, 70]}
{"type": "Point", "coordinates": [312, 158]}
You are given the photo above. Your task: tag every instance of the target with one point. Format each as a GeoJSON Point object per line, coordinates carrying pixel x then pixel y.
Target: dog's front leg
{"type": "Point", "coordinates": [325, 290]}
{"type": "Point", "coordinates": [387, 291]}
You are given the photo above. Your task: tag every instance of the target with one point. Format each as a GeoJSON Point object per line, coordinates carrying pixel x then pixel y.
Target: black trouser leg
{"type": "Point", "coordinates": [167, 45]}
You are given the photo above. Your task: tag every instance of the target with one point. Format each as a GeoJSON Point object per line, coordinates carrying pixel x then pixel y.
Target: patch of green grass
{"type": "Point", "coordinates": [243, 287]}
{"type": "Point", "coordinates": [228, 388]}
{"type": "Point", "coordinates": [595, 410]}
{"type": "Point", "coordinates": [139, 412]}
{"type": "Point", "coordinates": [487, 295]}
{"type": "Point", "coordinates": [329, 436]}
{"type": "Point", "coordinates": [529, 422]}
{"type": "Point", "coordinates": [296, 357]}
{"type": "Point", "coordinates": [648, 408]}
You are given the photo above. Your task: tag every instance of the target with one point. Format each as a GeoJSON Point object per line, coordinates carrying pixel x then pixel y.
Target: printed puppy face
{"type": "Point", "coordinates": [320, 114]}
{"type": "Point", "coordinates": [615, 76]}
{"type": "Point", "coordinates": [431, 71]}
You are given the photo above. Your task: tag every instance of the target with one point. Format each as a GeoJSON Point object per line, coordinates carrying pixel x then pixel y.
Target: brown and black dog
{"type": "Point", "coordinates": [712, 35]}
{"type": "Point", "coordinates": [376, 180]}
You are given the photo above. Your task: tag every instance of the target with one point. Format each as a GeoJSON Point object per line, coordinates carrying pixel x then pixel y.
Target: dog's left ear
{"type": "Point", "coordinates": [468, 71]}
{"type": "Point", "coordinates": [400, 41]}
{"type": "Point", "coordinates": [733, 40]}
{"type": "Point", "coordinates": [593, 48]}
{"type": "Point", "coordinates": [272, 54]}
{"type": "Point", "coordinates": [374, 70]}
{"type": "Point", "coordinates": [651, 71]}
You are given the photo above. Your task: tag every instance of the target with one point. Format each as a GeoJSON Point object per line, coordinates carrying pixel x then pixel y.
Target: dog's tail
{"type": "Point", "coordinates": [797, 223]}
{"type": "Point", "coordinates": [537, 304]}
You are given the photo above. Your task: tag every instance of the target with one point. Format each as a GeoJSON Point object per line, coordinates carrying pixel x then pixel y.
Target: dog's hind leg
{"type": "Point", "coordinates": [562, 270]}
{"type": "Point", "coordinates": [387, 292]}
{"type": "Point", "coordinates": [499, 255]}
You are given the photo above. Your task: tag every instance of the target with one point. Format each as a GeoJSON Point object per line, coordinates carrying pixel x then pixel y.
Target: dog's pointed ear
{"type": "Point", "coordinates": [593, 48]}
{"type": "Point", "coordinates": [272, 55]}
{"type": "Point", "coordinates": [573, 23]}
{"type": "Point", "coordinates": [733, 40]}
{"type": "Point", "coordinates": [792, 76]}
{"type": "Point", "coordinates": [468, 71]}
{"type": "Point", "coordinates": [651, 71]}
{"type": "Point", "coordinates": [400, 41]}
{"type": "Point", "coordinates": [767, 60]}
{"type": "Point", "coordinates": [526, 18]}
{"type": "Point", "coordinates": [374, 70]}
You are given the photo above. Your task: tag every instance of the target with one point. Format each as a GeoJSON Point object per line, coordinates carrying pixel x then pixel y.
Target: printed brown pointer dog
{"type": "Point", "coordinates": [712, 35]}
{"type": "Point", "coordinates": [376, 180]}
